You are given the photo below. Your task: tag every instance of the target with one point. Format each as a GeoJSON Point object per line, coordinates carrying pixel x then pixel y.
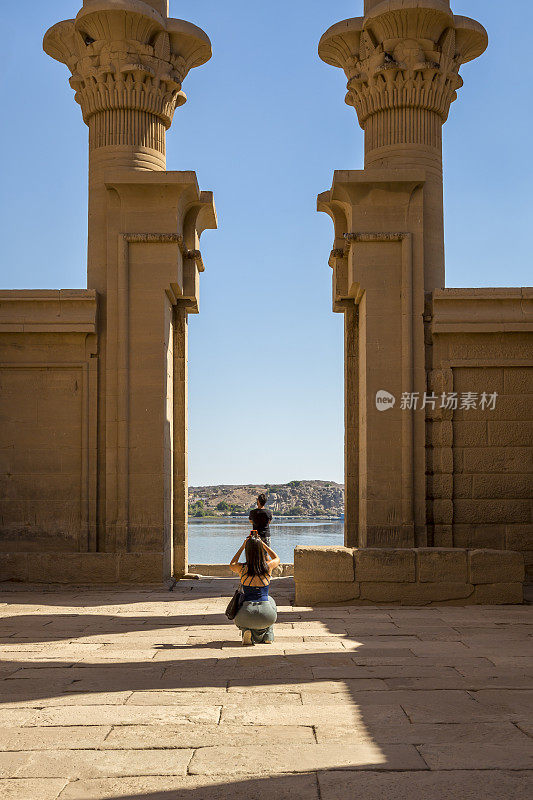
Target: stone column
{"type": "Point", "coordinates": [128, 61]}
{"type": "Point", "coordinates": [402, 63]}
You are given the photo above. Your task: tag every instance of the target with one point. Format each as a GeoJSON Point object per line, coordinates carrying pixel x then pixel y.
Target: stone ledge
{"type": "Point", "coordinates": [442, 564]}
{"type": "Point", "coordinates": [410, 576]}
{"type": "Point", "coordinates": [316, 564]}
{"type": "Point", "coordinates": [308, 594]}
{"type": "Point", "coordinates": [498, 593]}
{"type": "Point", "coordinates": [413, 594]}
{"type": "Point", "coordinates": [482, 310]}
{"type": "Point", "coordinates": [380, 565]}
{"type": "Point", "coordinates": [48, 311]}
{"type": "Point", "coordinates": [223, 571]}
{"type": "Point", "coordinates": [496, 566]}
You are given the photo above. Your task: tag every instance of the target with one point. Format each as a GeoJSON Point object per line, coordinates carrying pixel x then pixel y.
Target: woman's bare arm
{"type": "Point", "coordinates": [274, 559]}
{"type": "Point", "coordinates": [234, 564]}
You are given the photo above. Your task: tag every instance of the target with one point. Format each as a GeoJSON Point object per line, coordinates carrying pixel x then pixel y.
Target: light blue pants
{"type": "Point", "coordinates": [258, 617]}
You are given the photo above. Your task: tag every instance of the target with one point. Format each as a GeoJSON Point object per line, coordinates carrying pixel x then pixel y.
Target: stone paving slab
{"type": "Point", "coordinates": [461, 785]}
{"type": "Point", "coordinates": [516, 703]}
{"type": "Point", "coordinates": [423, 733]}
{"type": "Point", "coordinates": [148, 695]}
{"type": "Point", "coordinates": [285, 787]}
{"type": "Point", "coordinates": [246, 759]}
{"type": "Point", "coordinates": [20, 699]}
{"type": "Point", "coordinates": [31, 789]}
{"type": "Point", "coordinates": [219, 698]}
{"type": "Point", "coordinates": [69, 738]}
{"type": "Point", "coordinates": [470, 683]}
{"type": "Point", "coordinates": [479, 755]}
{"type": "Point", "coordinates": [16, 716]}
{"type": "Point", "coordinates": [87, 764]}
{"type": "Point", "coordinates": [153, 737]}
{"type": "Point", "coordinates": [125, 715]}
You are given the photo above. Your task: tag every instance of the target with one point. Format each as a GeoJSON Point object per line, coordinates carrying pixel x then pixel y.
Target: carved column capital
{"type": "Point", "coordinates": [403, 55]}
{"type": "Point", "coordinates": [125, 56]}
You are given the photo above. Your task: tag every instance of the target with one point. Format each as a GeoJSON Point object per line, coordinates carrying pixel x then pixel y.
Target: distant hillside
{"type": "Point", "coordinates": [297, 498]}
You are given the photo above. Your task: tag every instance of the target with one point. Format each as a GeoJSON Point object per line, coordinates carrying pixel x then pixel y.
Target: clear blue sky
{"type": "Point", "coordinates": [264, 127]}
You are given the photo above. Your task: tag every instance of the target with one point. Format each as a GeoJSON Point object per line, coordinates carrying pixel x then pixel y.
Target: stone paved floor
{"type": "Point", "coordinates": [148, 695]}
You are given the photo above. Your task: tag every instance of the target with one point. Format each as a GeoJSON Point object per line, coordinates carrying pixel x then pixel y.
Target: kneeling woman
{"type": "Point", "coordinates": [258, 613]}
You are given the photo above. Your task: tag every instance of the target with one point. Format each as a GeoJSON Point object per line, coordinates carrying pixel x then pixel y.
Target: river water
{"type": "Point", "coordinates": [214, 541]}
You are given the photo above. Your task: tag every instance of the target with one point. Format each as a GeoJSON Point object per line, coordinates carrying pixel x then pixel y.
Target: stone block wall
{"type": "Point", "coordinates": [407, 576]}
{"type": "Point", "coordinates": [81, 568]}
{"type": "Point", "coordinates": [48, 445]}
{"type": "Point", "coordinates": [480, 461]}
{"type": "Point", "coordinates": [47, 420]}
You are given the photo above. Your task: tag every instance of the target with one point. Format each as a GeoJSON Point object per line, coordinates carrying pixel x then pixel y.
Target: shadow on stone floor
{"type": "Point", "coordinates": [56, 626]}
{"type": "Point", "coordinates": [205, 587]}
{"type": "Point", "coordinates": [360, 661]}
{"type": "Point", "coordinates": [404, 693]}
{"type": "Point", "coordinates": [321, 785]}
{"type": "Point", "coordinates": [42, 628]}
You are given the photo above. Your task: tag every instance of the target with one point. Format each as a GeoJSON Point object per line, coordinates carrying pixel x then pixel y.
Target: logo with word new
{"type": "Point", "coordinates": [384, 400]}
